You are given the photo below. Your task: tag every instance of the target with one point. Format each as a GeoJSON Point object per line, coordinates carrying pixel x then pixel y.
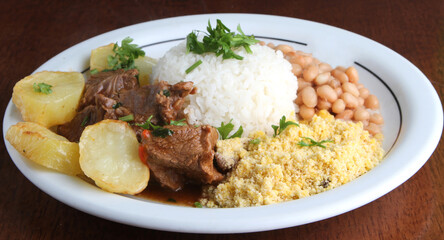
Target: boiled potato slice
{"type": "Point", "coordinates": [99, 61]}
{"type": "Point", "coordinates": [44, 147]}
{"type": "Point", "coordinates": [57, 107]}
{"type": "Point", "coordinates": [145, 65]}
{"type": "Point", "coordinates": [109, 155]}
{"type": "Point", "coordinates": [99, 57]}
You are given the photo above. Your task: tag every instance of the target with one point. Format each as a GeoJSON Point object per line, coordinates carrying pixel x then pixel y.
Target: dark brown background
{"type": "Point", "coordinates": [32, 33]}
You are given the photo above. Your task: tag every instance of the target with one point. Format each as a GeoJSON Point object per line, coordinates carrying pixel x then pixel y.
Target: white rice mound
{"type": "Point", "coordinates": [254, 92]}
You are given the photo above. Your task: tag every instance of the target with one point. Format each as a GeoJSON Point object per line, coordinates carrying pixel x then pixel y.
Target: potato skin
{"type": "Point", "coordinates": [109, 155]}
{"type": "Point", "coordinates": [52, 109]}
{"type": "Point", "coordinates": [44, 147]}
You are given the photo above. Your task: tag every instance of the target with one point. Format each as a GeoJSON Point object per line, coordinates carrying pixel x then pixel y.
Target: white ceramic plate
{"type": "Point", "coordinates": [410, 106]}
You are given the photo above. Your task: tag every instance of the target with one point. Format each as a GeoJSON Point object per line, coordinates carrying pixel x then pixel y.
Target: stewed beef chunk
{"type": "Point", "coordinates": [187, 153]}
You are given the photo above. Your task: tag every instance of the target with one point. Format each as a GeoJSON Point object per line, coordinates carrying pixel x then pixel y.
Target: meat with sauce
{"type": "Point", "coordinates": [188, 154]}
{"type": "Point", "coordinates": [116, 94]}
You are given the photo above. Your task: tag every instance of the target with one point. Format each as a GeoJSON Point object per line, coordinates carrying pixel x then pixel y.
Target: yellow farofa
{"type": "Point", "coordinates": [278, 169]}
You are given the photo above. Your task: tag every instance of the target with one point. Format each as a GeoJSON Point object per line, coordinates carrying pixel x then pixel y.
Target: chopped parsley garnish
{"type": "Point", "coordinates": [162, 132]}
{"type": "Point", "coordinates": [312, 142]}
{"type": "Point", "coordinates": [171, 200]}
{"type": "Point", "coordinates": [166, 93]}
{"type": "Point", "coordinates": [94, 71]}
{"type": "Point", "coordinates": [221, 41]}
{"type": "Point", "coordinates": [125, 55]}
{"type": "Point", "coordinates": [157, 131]}
{"type": "Point", "coordinates": [195, 65]}
{"type": "Point", "coordinates": [181, 122]}
{"type": "Point", "coordinates": [117, 105]}
{"type": "Point", "coordinates": [283, 124]}
{"type": "Point", "coordinates": [255, 141]}
{"type": "Point", "coordinates": [224, 130]}
{"type": "Point", "coordinates": [42, 87]}
{"type": "Point", "coordinates": [197, 204]}
{"type": "Point", "coordinates": [127, 118]}
{"type": "Point", "coordinates": [85, 121]}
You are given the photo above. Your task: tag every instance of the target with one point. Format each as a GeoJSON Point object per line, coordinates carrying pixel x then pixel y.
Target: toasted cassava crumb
{"type": "Point", "coordinates": [279, 169]}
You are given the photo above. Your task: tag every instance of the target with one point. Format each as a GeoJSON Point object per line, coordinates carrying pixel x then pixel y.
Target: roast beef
{"type": "Point", "coordinates": [188, 153]}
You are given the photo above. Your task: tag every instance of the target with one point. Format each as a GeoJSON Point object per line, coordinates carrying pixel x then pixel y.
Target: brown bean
{"type": "Point", "coordinates": [262, 43]}
{"type": "Point", "coordinates": [296, 69]}
{"type": "Point", "coordinates": [298, 100]}
{"type": "Point", "coordinates": [324, 67]}
{"type": "Point", "coordinates": [334, 83]}
{"type": "Point", "coordinates": [322, 78]}
{"type": "Point", "coordinates": [361, 101]}
{"type": "Point", "coordinates": [373, 129]}
{"type": "Point", "coordinates": [309, 60]}
{"type": "Point", "coordinates": [345, 115]}
{"type": "Point", "coordinates": [284, 48]}
{"type": "Point", "coordinates": [371, 102]}
{"type": "Point", "coordinates": [309, 97]}
{"type": "Point", "coordinates": [302, 84]}
{"type": "Point", "coordinates": [271, 45]}
{"type": "Point", "coordinates": [326, 92]}
{"type": "Point", "coordinates": [364, 92]}
{"type": "Point", "coordinates": [351, 88]}
{"type": "Point", "coordinates": [306, 112]}
{"type": "Point", "coordinates": [298, 59]}
{"type": "Point", "coordinates": [359, 85]}
{"type": "Point", "coordinates": [340, 75]}
{"type": "Point", "coordinates": [323, 104]}
{"type": "Point", "coordinates": [340, 68]}
{"type": "Point", "coordinates": [376, 118]}
{"type": "Point", "coordinates": [352, 74]}
{"type": "Point", "coordinates": [310, 73]}
{"type": "Point", "coordinates": [350, 100]}
{"type": "Point", "coordinates": [361, 114]}
{"type": "Point", "coordinates": [339, 91]}
{"type": "Point", "coordinates": [338, 106]}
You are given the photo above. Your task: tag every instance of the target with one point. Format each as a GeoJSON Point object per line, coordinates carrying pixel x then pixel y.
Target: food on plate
{"type": "Point", "coordinates": [336, 90]}
{"type": "Point", "coordinates": [102, 59]}
{"type": "Point", "coordinates": [44, 147]}
{"type": "Point", "coordinates": [109, 156]}
{"type": "Point", "coordinates": [249, 123]}
{"type": "Point", "coordinates": [118, 95]}
{"type": "Point", "coordinates": [301, 161]}
{"type": "Point", "coordinates": [252, 92]}
{"type": "Point", "coordinates": [48, 98]}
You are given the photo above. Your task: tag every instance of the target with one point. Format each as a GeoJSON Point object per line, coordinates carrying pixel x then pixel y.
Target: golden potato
{"type": "Point", "coordinates": [44, 147]}
{"type": "Point", "coordinates": [99, 57]}
{"type": "Point", "coordinates": [57, 107]}
{"type": "Point", "coordinates": [109, 155]}
{"type": "Point", "coordinates": [145, 66]}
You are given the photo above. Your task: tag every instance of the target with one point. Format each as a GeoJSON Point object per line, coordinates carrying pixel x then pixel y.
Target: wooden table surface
{"type": "Point", "coordinates": [32, 33]}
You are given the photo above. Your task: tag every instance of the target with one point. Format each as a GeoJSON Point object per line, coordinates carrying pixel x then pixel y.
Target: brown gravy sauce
{"type": "Point", "coordinates": [185, 197]}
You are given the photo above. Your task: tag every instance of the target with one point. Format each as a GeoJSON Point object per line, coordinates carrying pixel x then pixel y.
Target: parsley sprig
{"type": "Point", "coordinates": [225, 129]}
{"type": "Point", "coordinates": [42, 88]}
{"type": "Point", "coordinates": [312, 142]}
{"type": "Point", "coordinates": [221, 41]}
{"type": "Point", "coordinates": [157, 131]}
{"type": "Point", "coordinates": [125, 55]}
{"type": "Point", "coordinates": [283, 124]}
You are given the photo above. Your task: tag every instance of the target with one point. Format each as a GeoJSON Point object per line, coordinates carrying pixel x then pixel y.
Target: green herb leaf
{"type": "Point", "coordinates": [166, 93]}
{"type": "Point", "coordinates": [85, 121]}
{"type": "Point", "coordinates": [147, 125]}
{"type": "Point", "coordinates": [162, 132]}
{"type": "Point", "coordinates": [127, 118]}
{"type": "Point", "coordinates": [224, 130]}
{"type": "Point", "coordinates": [171, 200]}
{"type": "Point", "coordinates": [42, 87]}
{"type": "Point", "coordinates": [255, 141]}
{"type": "Point", "coordinates": [94, 71]}
{"type": "Point", "coordinates": [195, 65]}
{"type": "Point", "coordinates": [117, 105]}
{"type": "Point", "coordinates": [221, 41]}
{"type": "Point", "coordinates": [312, 142]}
{"type": "Point", "coordinates": [283, 124]}
{"type": "Point", "coordinates": [181, 122]}
{"type": "Point", "coordinates": [197, 204]}
{"type": "Point", "coordinates": [125, 55]}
